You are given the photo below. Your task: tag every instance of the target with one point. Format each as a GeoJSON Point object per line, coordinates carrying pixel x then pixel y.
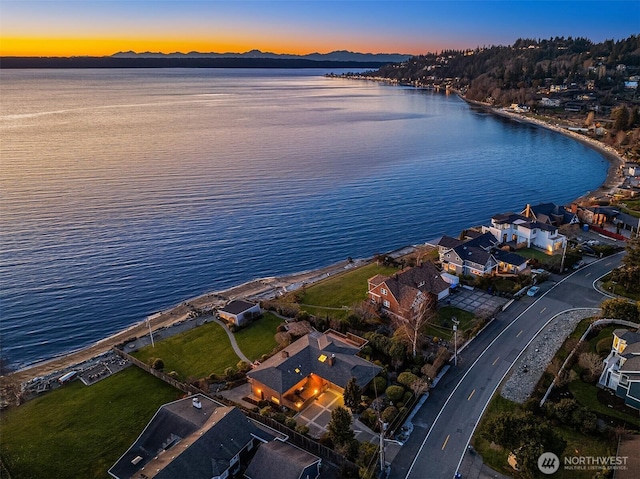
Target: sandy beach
{"type": "Point", "coordinates": [266, 288]}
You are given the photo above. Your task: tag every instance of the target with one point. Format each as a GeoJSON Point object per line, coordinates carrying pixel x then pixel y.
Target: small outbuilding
{"type": "Point", "coordinates": [240, 313]}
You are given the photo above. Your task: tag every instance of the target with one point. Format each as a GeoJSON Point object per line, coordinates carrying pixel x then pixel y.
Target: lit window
{"type": "Point", "coordinates": [385, 303]}
{"type": "Point", "coordinates": [383, 291]}
{"type": "Point", "coordinates": [297, 370]}
{"type": "Point", "coordinates": [322, 358]}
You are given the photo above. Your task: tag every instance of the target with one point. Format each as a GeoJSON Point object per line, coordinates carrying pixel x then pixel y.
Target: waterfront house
{"type": "Point", "coordinates": [509, 263]}
{"type": "Point", "coordinates": [470, 257]}
{"type": "Point", "coordinates": [621, 371]}
{"type": "Point", "coordinates": [551, 214]}
{"type": "Point", "coordinates": [193, 437]}
{"type": "Point", "coordinates": [282, 460]}
{"type": "Point", "coordinates": [240, 313]}
{"type": "Point", "coordinates": [402, 294]}
{"type": "Point", "coordinates": [518, 231]}
{"type": "Point", "coordinates": [295, 376]}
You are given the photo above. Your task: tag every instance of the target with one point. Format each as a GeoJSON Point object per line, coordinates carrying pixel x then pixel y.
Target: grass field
{"type": "Point", "coordinates": [444, 326]}
{"type": "Point", "coordinates": [79, 431]}
{"type": "Point", "coordinates": [339, 291]}
{"type": "Point", "coordinates": [259, 337]}
{"type": "Point", "coordinates": [194, 354]}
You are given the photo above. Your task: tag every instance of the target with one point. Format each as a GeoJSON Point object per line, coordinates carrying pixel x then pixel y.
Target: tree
{"type": "Point", "coordinates": [620, 118]}
{"type": "Point", "coordinates": [410, 329]}
{"type": "Point", "coordinates": [628, 274]}
{"type": "Point", "coordinates": [394, 393]}
{"type": "Point", "coordinates": [619, 308]}
{"type": "Point", "coordinates": [352, 394]}
{"type": "Point", "coordinates": [592, 363]}
{"type": "Point", "coordinates": [339, 427]}
{"type": "Point", "coordinates": [419, 387]}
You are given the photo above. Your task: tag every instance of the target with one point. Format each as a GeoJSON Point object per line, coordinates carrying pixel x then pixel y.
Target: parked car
{"type": "Point", "coordinates": [578, 264]}
{"type": "Point", "coordinates": [533, 290]}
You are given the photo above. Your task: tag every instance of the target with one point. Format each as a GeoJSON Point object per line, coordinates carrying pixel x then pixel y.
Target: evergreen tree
{"type": "Point", "coordinates": [352, 394]}
{"type": "Point", "coordinates": [339, 427]}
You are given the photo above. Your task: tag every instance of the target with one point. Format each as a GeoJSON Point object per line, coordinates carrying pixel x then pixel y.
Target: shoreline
{"type": "Point", "coordinates": [613, 178]}
{"type": "Point", "coordinates": [268, 287]}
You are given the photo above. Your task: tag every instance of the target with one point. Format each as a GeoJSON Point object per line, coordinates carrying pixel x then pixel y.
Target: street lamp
{"type": "Point", "coordinates": [150, 333]}
{"type": "Point", "coordinates": [455, 340]}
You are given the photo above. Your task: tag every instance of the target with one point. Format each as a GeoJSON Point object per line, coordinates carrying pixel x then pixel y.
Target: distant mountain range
{"type": "Point", "coordinates": [336, 56]}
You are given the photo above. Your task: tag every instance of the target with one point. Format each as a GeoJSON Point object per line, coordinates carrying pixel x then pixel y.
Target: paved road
{"type": "Point", "coordinates": [444, 425]}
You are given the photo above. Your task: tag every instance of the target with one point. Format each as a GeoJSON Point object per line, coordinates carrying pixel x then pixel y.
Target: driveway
{"type": "Point", "coordinates": [318, 414]}
{"type": "Point", "coordinates": [476, 301]}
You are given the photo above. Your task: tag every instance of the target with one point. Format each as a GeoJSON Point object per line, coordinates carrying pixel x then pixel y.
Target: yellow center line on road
{"type": "Point", "coordinates": [445, 442]}
{"type": "Point", "coordinates": [472, 393]}
{"type": "Point", "coordinates": [518, 335]}
{"type": "Point", "coordinates": [494, 363]}
{"type": "Point", "coordinates": [542, 310]}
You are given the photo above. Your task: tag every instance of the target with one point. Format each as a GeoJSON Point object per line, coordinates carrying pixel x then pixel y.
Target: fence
{"type": "Point", "coordinates": [298, 439]}
{"type": "Point", "coordinates": [599, 322]}
{"type": "Point", "coordinates": [184, 387]}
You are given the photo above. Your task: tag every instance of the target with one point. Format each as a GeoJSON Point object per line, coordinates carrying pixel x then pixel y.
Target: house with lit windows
{"type": "Point", "coordinates": [298, 374]}
{"type": "Point", "coordinates": [519, 231]}
{"type": "Point", "coordinates": [621, 371]}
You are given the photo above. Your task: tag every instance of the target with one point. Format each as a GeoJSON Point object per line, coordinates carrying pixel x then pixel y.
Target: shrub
{"type": "Point", "coordinates": [379, 384]}
{"type": "Point", "coordinates": [389, 414]}
{"type": "Point", "coordinates": [229, 372]}
{"type": "Point", "coordinates": [394, 393]}
{"type": "Point", "coordinates": [302, 429]}
{"type": "Point", "coordinates": [265, 411]}
{"type": "Point", "coordinates": [620, 309]}
{"type": "Point", "coordinates": [407, 379]}
{"type": "Point", "coordinates": [243, 366]}
{"type": "Point", "coordinates": [173, 374]}
{"type": "Point", "coordinates": [369, 418]}
{"type": "Point", "coordinates": [157, 363]}
{"type": "Point", "coordinates": [407, 397]}
{"type": "Point", "coordinates": [291, 423]}
{"type": "Point", "coordinates": [280, 417]}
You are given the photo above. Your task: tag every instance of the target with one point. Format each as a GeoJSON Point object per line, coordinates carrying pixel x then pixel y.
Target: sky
{"type": "Point", "coordinates": [88, 27]}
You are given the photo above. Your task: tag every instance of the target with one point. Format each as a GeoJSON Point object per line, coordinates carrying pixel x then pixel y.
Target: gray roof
{"type": "Point", "coordinates": [425, 278]}
{"type": "Point", "coordinates": [632, 339]}
{"type": "Point", "coordinates": [282, 373]}
{"type": "Point", "coordinates": [485, 241]}
{"type": "Point", "coordinates": [552, 213]}
{"type": "Point", "coordinates": [473, 254]}
{"type": "Point", "coordinates": [183, 441]}
{"type": "Point", "coordinates": [280, 460]}
{"type": "Point", "coordinates": [447, 242]}
{"type": "Point", "coordinates": [509, 257]}
{"type": "Point", "coordinates": [237, 307]}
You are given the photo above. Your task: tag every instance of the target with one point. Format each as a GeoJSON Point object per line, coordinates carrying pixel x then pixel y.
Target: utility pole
{"type": "Point", "coordinates": [383, 428]}
{"type": "Point", "coordinates": [564, 251]}
{"type": "Point", "coordinates": [455, 340]}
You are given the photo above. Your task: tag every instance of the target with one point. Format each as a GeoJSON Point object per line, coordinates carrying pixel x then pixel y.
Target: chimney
{"type": "Point", "coordinates": [332, 360]}
{"type": "Point", "coordinates": [574, 208]}
{"type": "Point", "coordinates": [527, 211]}
{"type": "Point", "coordinates": [285, 354]}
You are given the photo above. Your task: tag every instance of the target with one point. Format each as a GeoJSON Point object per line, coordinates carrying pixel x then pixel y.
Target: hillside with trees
{"type": "Point", "coordinates": [585, 84]}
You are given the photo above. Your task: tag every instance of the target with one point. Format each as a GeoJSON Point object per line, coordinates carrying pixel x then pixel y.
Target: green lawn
{"type": "Point", "coordinates": [194, 354]}
{"type": "Point", "coordinates": [79, 431]}
{"type": "Point", "coordinates": [586, 394]}
{"type": "Point", "coordinates": [444, 326]}
{"type": "Point", "coordinates": [345, 289]}
{"type": "Point", "coordinates": [534, 254]}
{"type": "Point", "coordinates": [259, 337]}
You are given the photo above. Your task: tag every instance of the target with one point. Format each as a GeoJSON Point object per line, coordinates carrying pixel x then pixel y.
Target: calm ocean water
{"type": "Point", "coordinates": [126, 191]}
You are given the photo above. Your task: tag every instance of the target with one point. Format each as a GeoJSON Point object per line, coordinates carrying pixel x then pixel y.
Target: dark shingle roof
{"type": "Point", "coordinates": [183, 441]}
{"type": "Point", "coordinates": [282, 373]}
{"type": "Point", "coordinates": [447, 242]}
{"type": "Point", "coordinates": [472, 253]}
{"type": "Point", "coordinates": [280, 460]}
{"type": "Point", "coordinates": [237, 307]}
{"type": "Point", "coordinates": [425, 278]}
{"type": "Point", "coordinates": [485, 241]}
{"type": "Point", "coordinates": [509, 258]}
